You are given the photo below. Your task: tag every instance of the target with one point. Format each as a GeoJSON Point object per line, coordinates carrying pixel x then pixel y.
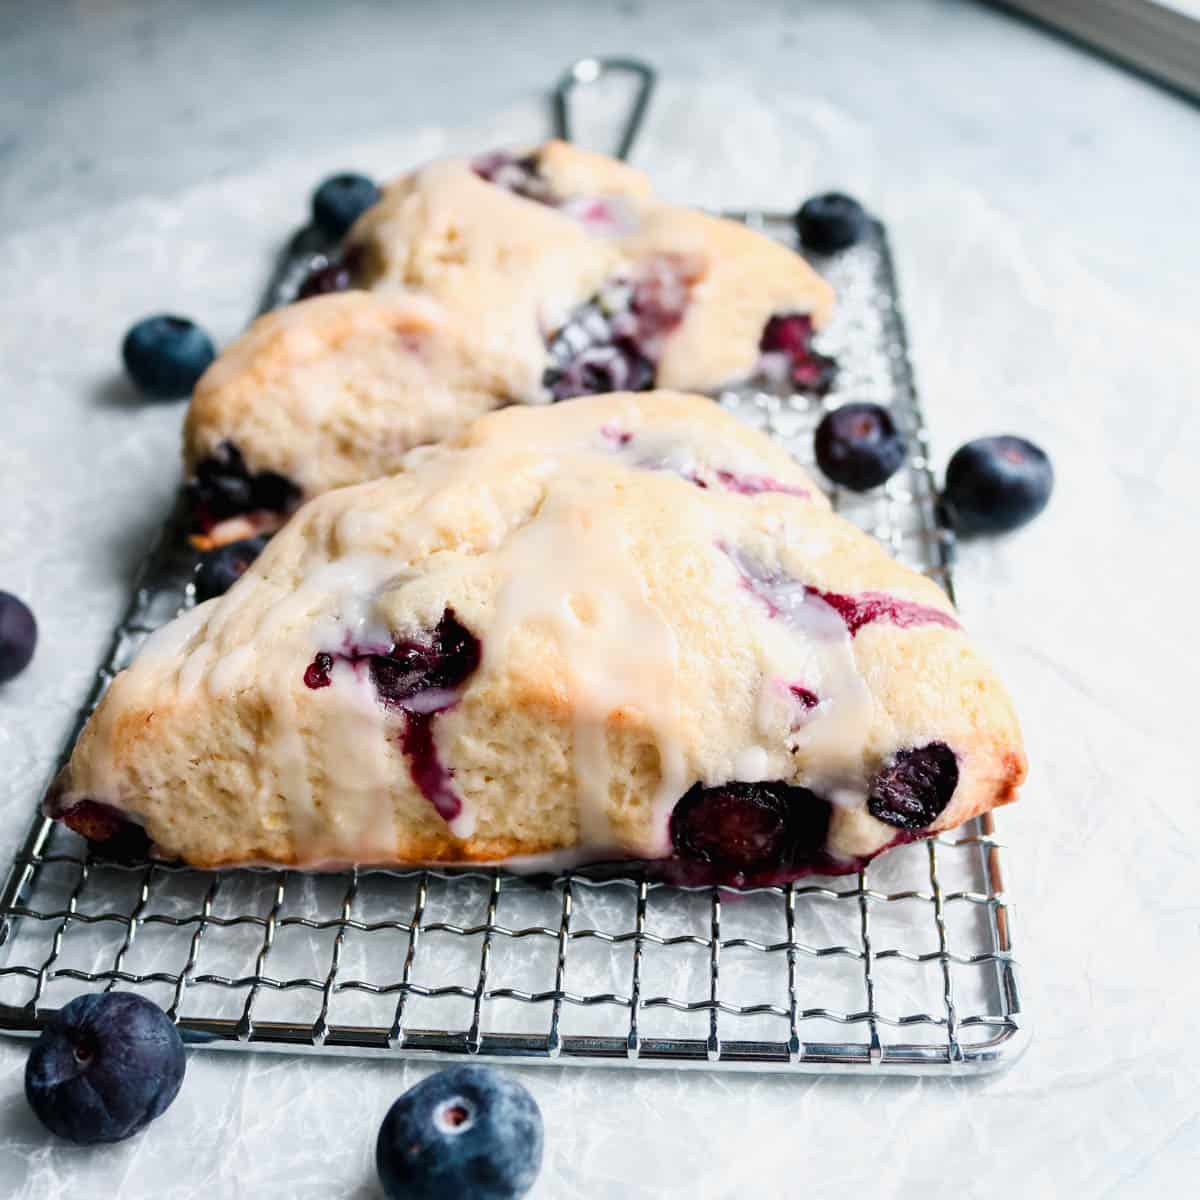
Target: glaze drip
{"type": "Point", "coordinates": [419, 679]}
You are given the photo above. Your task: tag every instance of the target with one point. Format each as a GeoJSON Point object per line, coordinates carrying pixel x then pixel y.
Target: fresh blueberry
{"type": "Point", "coordinates": [913, 789]}
{"type": "Point", "coordinates": [997, 484]}
{"type": "Point", "coordinates": [858, 446]}
{"type": "Point", "coordinates": [18, 636]}
{"type": "Point", "coordinates": [166, 355]}
{"type": "Point", "coordinates": [104, 1067]}
{"type": "Point", "coordinates": [830, 222]}
{"type": "Point", "coordinates": [749, 828]}
{"type": "Point", "coordinates": [468, 1131]}
{"type": "Point", "coordinates": [218, 570]}
{"type": "Point", "coordinates": [340, 201]}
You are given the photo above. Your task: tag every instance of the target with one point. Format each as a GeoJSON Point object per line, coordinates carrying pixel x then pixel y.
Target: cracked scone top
{"type": "Point", "coordinates": [626, 628]}
{"type": "Point", "coordinates": [480, 283]}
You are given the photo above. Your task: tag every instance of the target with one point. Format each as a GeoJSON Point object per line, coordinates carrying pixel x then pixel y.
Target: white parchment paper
{"type": "Point", "coordinates": [1037, 326]}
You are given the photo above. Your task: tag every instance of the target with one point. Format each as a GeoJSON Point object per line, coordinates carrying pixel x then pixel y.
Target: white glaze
{"type": "Point", "coordinates": [751, 765]}
{"type": "Point", "coordinates": [566, 575]}
{"type": "Point", "coordinates": [805, 642]}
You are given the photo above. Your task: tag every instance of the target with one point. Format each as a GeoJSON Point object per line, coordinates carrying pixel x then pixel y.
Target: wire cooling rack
{"type": "Point", "coordinates": [905, 967]}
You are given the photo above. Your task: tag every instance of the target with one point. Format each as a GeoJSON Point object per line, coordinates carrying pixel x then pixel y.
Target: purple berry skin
{"type": "Point", "coordinates": [791, 335]}
{"type": "Point", "coordinates": [830, 222]}
{"type": "Point", "coordinates": [18, 636]}
{"type": "Point", "coordinates": [741, 829]}
{"type": "Point", "coordinates": [467, 1131]}
{"type": "Point", "coordinates": [224, 487]}
{"type": "Point", "coordinates": [417, 677]}
{"type": "Point", "coordinates": [913, 789]}
{"type": "Point", "coordinates": [218, 570]}
{"type": "Point", "coordinates": [997, 484]}
{"type": "Point", "coordinates": [111, 833]}
{"type": "Point", "coordinates": [858, 446]}
{"type": "Point", "coordinates": [340, 200]}
{"type": "Point", "coordinates": [104, 1067]}
{"type": "Point", "coordinates": [165, 355]}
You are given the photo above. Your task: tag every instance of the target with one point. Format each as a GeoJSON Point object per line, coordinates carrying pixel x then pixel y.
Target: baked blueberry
{"type": "Point", "coordinates": [316, 674]}
{"type": "Point", "coordinates": [165, 355]}
{"type": "Point", "coordinates": [419, 678]}
{"type": "Point", "coordinates": [104, 1067]}
{"type": "Point", "coordinates": [110, 832]}
{"type": "Point", "coordinates": [224, 487]}
{"type": "Point", "coordinates": [340, 200]}
{"type": "Point", "coordinates": [448, 659]}
{"type": "Point", "coordinates": [218, 570]}
{"type": "Point", "coordinates": [997, 484]}
{"type": "Point", "coordinates": [742, 829]}
{"type": "Point", "coordinates": [830, 222]}
{"type": "Point", "coordinates": [18, 636]}
{"type": "Point", "coordinates": [520, 175]}
{"type": "Point", "coordinates": [467, 1131]}
{"type": "Point", "coordinates": [786, 344]}
{"type": "Point", "coordinates": [858, 446]}
{"type": "Point", "coordinates": [337, 272]}
{"type": "Point", "coordinates": [611, 342]}
{"type": "Point", "coordinates": [913, 789]}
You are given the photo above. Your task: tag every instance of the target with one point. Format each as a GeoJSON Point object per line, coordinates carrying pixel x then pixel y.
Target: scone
{"type": "Point", "coordinates": [626, 628]}
{"type": "Point", "coordinates": [506, 280]}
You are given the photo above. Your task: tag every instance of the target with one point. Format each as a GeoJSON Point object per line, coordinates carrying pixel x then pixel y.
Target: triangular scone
{"type": "Point", "coordinates": [560, 270]}
{"type": "Point", "coordinates": [339, 388]}
{"type": "Point", "coordinates": [628, 627]}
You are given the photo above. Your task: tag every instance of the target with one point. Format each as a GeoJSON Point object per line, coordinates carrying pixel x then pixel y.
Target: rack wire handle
{"type": "Point", "coordinates": [588, 71]}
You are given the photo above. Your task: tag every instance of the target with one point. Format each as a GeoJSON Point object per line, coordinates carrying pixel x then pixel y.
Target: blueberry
{"type": "Point", "coordinates": [111, 833]}
{"type": "Point", "coordinates": [417, 677]}
{"type": "Point", "coordinates": [18, 636]}
{"type": "Point", "coordinates": [997, 484]}
{"type": "Point", "coordinates": [521, 176]}
{"type": "Point", "coordinates": [218, 570]}
{"type": "Point", "coordinates": [830, 222]}
{"type": "Point", "coordinates": [337, 272]}
{"type": "Point", "coordinates": [166, 355]}
{"type": "Point", "coordinates": [442, 661]}
{"type": "Point", "coordinates": [913, 789]}
{"type": "Point", "coordinates": [104, 1067]}
{"type": "Point", "coordinates": [316, 674]}
{"type": "Point", "coordinates": [334, 276]}
{"type": "Point", "coordinates": [790, 335]}
{"type": "Point", "coordinates": [748, 828]}
{"type": "Point", "coordinates": [468, 1131]}
{"type": "Point", "coordinates": [858, 446]}
{"type": "Point", "coordinates": [340, 200]}
{"type": "Point", "coordinates": [224, 487]}
{"type": "Point", "coordinates": [411, 667]}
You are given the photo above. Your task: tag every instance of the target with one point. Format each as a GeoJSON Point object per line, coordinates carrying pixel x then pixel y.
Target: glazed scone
{"type": "Point", "coordinates": [626, 628]}
{"type": "Point", "coordinates": [508, 280]}
{"type": "Point", "coordinates": [325, 384]}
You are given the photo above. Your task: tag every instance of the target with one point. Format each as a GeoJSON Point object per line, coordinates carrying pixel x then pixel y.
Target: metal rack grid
{"type": "Point", "coordinates": [905, 967]}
